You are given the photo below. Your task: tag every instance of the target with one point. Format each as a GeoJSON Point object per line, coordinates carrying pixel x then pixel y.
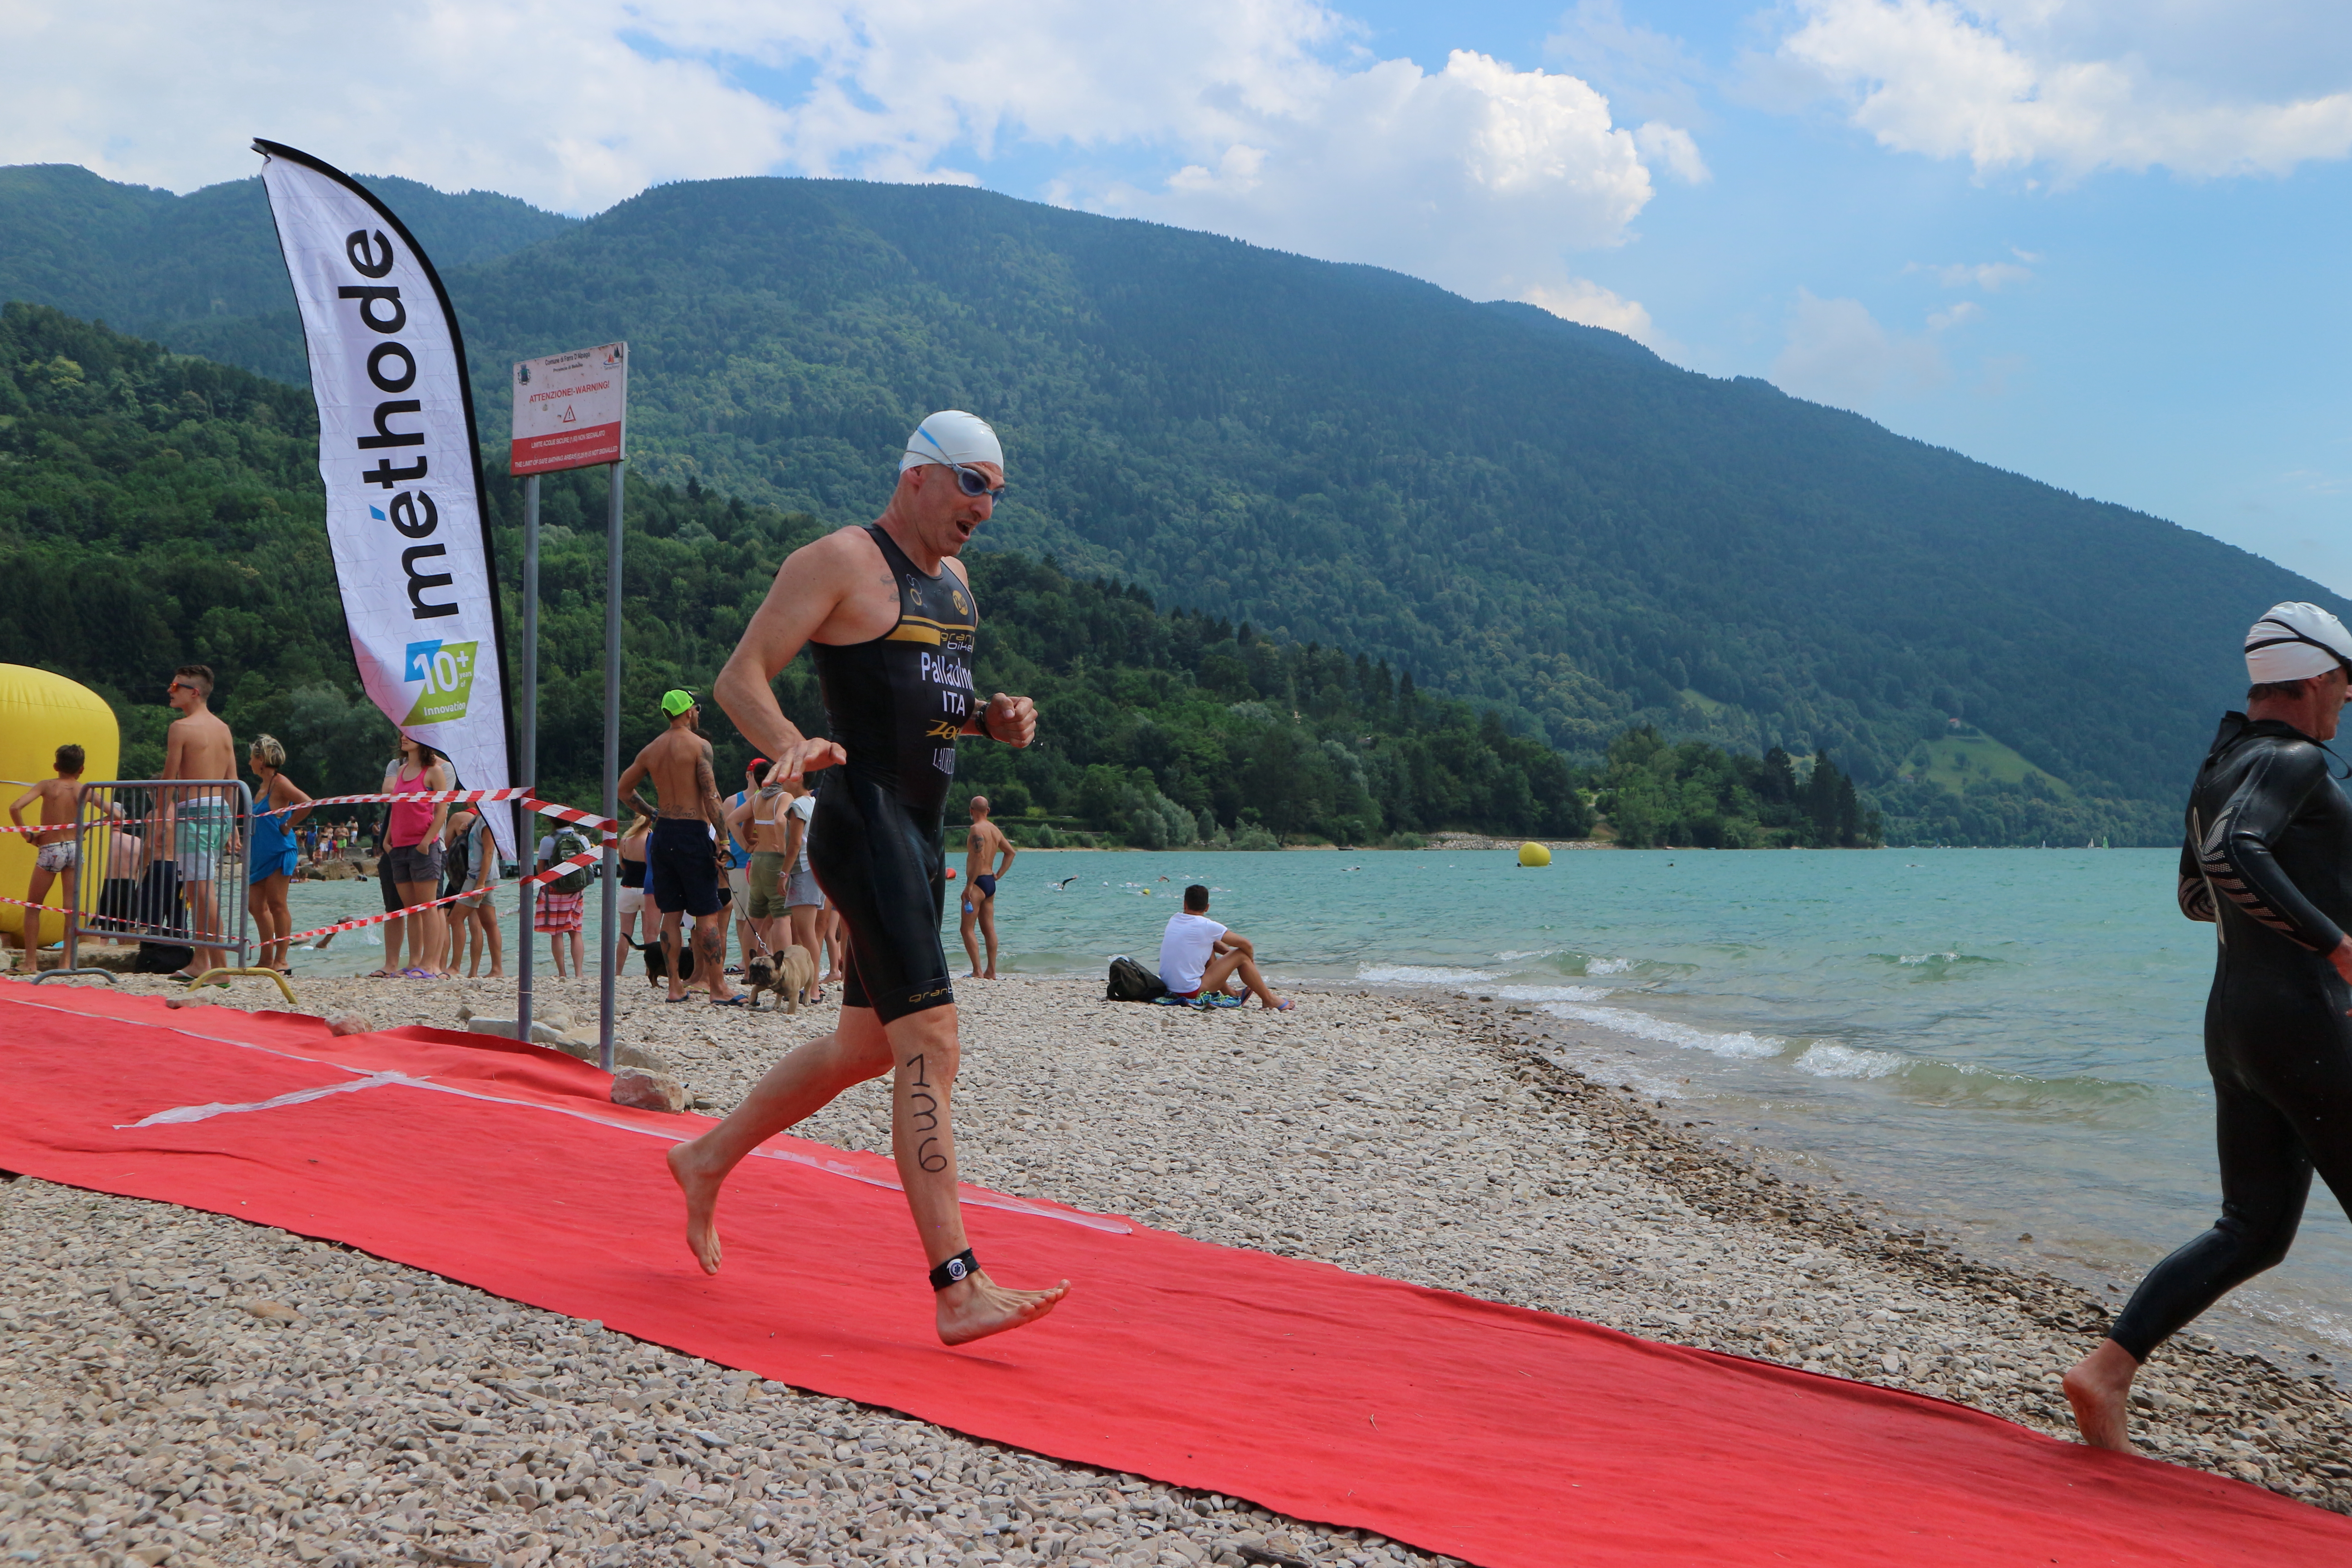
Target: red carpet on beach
{"type": "Point", "coordinates": [1507, 1437]}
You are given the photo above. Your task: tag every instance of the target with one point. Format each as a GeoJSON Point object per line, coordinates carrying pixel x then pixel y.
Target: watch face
{"type": "Point", "coordinates": [955, 1268]}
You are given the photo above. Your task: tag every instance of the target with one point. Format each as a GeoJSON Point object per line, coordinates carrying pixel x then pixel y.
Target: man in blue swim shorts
{"type": "Point", "coordinates": [982, 869]}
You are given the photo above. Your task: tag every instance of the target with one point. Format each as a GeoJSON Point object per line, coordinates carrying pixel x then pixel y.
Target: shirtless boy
{"type": "Point", "coordinates": [981, 874]}
{"type": "Point", "coordinates": [888, 616]}
{"type": "Point", "coordinates": [198, 824]}
{"type": "Point", "coordinates": [682, 853]}
{"type": "Point", "coordinates": [57, 848]}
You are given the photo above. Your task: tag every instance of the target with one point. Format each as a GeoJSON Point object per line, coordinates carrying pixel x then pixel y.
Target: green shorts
{"type": "Point", "coordinates": [765, 899]}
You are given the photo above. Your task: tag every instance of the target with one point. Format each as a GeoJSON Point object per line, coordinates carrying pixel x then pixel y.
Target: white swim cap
{"type": "Point", "coordinates": [2294, 641]}
{"type": "Point", "coordinates": [951, 436]}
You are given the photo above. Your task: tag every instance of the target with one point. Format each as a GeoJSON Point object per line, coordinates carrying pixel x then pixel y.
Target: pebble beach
{"type": "Point", "coordinates": [181, 1388]}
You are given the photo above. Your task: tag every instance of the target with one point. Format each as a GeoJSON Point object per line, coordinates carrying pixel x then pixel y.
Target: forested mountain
{"type": "Point", "coordinates": [1537, 515]}
{"type": "Point", "coordinates": [201, 272]}
{"type": "Point", "coordinates": [157, 510]}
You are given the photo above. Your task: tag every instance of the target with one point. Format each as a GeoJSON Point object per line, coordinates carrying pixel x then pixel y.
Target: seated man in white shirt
{"type": "Point", "coordinates": [1198, 955]}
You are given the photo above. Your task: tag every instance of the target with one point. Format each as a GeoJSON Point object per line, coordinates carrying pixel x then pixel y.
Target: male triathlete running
{"type": "Point", "coordinates": [2269, 858]}
{"type": "Point", "coordinates": [887, 615]}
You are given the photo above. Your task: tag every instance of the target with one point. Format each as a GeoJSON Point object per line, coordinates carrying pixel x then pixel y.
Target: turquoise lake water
{"type": "Point", "coordinates": [1997, 1042]}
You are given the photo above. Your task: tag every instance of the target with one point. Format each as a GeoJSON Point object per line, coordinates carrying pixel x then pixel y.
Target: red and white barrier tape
{"type": "Point", "coordinates": [586, 858]}
{"type": "Point", "coordinates": [434, 797]}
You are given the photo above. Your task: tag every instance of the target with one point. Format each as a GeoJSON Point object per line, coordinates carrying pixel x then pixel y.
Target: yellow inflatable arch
{"type": "Point", "coordinates": [38, 714]}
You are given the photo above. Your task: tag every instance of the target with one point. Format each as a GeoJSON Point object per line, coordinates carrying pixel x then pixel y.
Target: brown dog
{"type": "Point", "coordinates": [789, 974]}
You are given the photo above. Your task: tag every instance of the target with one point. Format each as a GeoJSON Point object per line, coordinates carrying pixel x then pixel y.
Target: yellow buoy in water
{"type": "Point", "coordinates": [38, 714]}
{"type": "Point", "coordinates": [1534, 854]}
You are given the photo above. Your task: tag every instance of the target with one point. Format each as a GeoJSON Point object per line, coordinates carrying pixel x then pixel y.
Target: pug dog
{"type": "Point", "coordinates": [789, 974]}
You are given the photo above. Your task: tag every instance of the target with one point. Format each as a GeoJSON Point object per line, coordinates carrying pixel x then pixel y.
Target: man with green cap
{"type": "Point", "coordinates": [888, 617]}
{"type": "Point", "coordinates": [682, 854]}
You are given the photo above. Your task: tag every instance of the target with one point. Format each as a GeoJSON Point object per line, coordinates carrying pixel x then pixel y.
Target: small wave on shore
{"type": "Point", "coordinates": [1549, 992]}
{"type": "Point", "coordinates": [1947, 1084]}
{"type": "Point", "coordinates": [1739, 1044]}
{"type": "Point", "coordinates": [1936, 965]}
{"type": "Point", "coordinates": [1419, 974]}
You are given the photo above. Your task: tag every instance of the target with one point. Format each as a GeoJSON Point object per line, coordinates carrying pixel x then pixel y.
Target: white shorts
{"type": "Point", "coordinates": [62, 856]}
{"type": "Point", "coordinates": [738, 881]}
{"type": "Point", "coordinates": [631, 901]}
{"type": "Point", "coordinates": [196, 866]}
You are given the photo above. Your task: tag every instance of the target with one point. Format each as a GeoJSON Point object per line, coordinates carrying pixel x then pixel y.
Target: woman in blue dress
{"type": "Point", "coordinates": [270, 859]}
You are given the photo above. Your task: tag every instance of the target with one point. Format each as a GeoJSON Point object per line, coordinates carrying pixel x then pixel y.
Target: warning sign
{"type": "Point", "coordinates": [570, 409]}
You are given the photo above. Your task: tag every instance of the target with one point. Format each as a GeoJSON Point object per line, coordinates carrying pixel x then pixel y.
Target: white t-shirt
{"type": "Point", "coordinates": [1185, 948]}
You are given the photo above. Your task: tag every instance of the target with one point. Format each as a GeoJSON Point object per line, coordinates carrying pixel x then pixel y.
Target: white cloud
{"type": "Point", "coordinates": [1479, 178]}
{"type": "Point", "coordinates": [540, 99]}
{"type": "Point", "coordinates": [1254, 118]}
{"type": "Point", "coordinates": [1672, 149]}
{"type": "Point", "coordinates": [2078, 87]}
{"type": "Point", "coordinates": [1837, 353]}
{"type": "Point", "coordinates": [1580, 300]}
{"type": "Point", "coordinates": [1643, 71]}
{"type": "Point", "coordinates": [1990, 275]}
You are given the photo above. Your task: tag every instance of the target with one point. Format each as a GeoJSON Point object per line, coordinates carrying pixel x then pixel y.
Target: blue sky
{"type": "Point", "coordinates": [2099, 243]}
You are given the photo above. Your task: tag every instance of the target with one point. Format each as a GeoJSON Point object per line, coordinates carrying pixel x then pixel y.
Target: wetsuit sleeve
{"type": "Point", "coordinates": [2194, 893]}
{"type": "Point", "coordinates": [2236, 849]}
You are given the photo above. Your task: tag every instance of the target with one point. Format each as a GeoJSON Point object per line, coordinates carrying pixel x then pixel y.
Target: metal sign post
{"type": "Point", "coordinates": [608, 958]}
{"type": "Point", "coordinates": [570, 411]}
{"type": "Point", "coordinates": [526, 841]}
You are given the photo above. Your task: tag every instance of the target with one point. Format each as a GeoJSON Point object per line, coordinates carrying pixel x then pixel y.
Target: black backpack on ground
{"type": "Point", "coordinates": [1130, 981]}
{"type": "Point", "coordinates": [154, 903]}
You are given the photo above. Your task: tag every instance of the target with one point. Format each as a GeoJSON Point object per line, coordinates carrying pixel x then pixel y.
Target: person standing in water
{"type": "Point", "coordinates": [279, 808]}
{"type": "Point", "coordinates": [982, 872]}
{"type": "Point", "coordinates": [887, 615]}
{"type": "Point", "coordinates": [2268, 858]}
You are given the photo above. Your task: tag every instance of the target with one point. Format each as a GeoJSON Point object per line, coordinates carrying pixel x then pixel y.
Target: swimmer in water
{"type": "Point", "coordinates": [887, 613]}
{"type": "Point", "coordinates": [2268, 858]}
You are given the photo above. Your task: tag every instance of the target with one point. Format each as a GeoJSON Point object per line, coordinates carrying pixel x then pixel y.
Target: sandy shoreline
{"type": "Point", "coordinates": [155, 1417]}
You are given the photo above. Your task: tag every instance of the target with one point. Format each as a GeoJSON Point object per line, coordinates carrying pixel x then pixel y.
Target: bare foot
{"type": "Point", "coordinates": [700, 1186]}
{"type": "Point", "coordinates": [2099, 1388]}
{"type": "Point", "coordinates": [980, 1307]}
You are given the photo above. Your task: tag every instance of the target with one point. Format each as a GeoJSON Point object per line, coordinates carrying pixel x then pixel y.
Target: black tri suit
{"type": "Point", "coordinates": [2269, 856]}
{"type": "Point", "coordinates": [875, 840]}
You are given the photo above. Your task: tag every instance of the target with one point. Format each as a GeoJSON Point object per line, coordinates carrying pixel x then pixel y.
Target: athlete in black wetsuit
{"type": "Point", "coordinates": [896, 704]}
{"type": "Point", "coordinates": [2268, 855]}
{"type": "Point", "coordinates": [889, 619]}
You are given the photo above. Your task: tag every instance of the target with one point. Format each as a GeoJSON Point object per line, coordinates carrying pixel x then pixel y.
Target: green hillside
{"type": "Point", "coordinates": [1540, 516]}
{"type": "Point", "coordinates": [156, 510]}
{"type": "Point", "coordinates": [202, 273]}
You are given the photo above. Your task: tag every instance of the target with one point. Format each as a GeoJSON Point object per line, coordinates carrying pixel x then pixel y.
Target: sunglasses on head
{"type": "Point", "coordinates": [972, 482]}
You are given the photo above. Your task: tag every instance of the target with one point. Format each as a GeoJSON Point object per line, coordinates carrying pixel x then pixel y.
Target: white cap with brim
{"type": "Point", "coordinates": [951, 436]}
{"type": "Point", "coordinates": [2294, 641]}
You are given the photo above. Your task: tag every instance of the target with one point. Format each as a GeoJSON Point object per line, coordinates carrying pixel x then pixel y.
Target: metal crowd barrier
{"type": "Point", "coordinates": [163, 860]}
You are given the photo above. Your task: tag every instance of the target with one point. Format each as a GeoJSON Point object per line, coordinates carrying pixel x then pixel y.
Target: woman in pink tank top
{"type": "Point", "coordinates": [413, 846]}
